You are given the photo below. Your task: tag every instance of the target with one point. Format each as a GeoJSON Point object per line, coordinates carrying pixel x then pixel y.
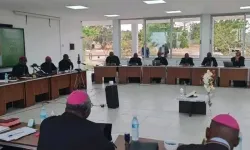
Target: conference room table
{"type": "Point", "coordinates": [125, 72]}
{"type": "Point", "coordinates": [26, 90]}
{"type": "Point", "coordinates": [104, 71]}
{"type": "Point", "coordinates": [172, 73]}
{"type": "Point", "coordinates": [29, 142]}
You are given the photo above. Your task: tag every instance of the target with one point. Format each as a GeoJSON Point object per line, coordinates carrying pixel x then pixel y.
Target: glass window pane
{"type": "Point", "coordinates": [97, 43]}
{"type": "Point", "coordinates": [126, 41]}
{"type": "Point", "coordinates": [227, 35]}
{"type": "Point", "coordinates": [186, 37]}
{"type": "Point", "coordinates": [247, 38]}
{"type": "Point", "coordinates": [157, 35]}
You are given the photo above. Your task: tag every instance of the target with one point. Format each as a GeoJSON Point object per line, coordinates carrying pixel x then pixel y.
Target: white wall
{"type": "Point", "coordinates": [42, 40]}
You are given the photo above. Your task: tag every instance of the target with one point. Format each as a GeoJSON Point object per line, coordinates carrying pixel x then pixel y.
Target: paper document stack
{"type": "Point", "coordinates": [17, 134]}
{"type": "Point", "coordinates": [3, 129]}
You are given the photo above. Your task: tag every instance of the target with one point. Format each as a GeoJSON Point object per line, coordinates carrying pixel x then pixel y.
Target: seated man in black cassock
{"type": "Point", "coordinates": [21, 69]}
{"type": "Point", "coordinates": [134, 61]}
{"type": "Point", "coordinates": [163, 61]}
{"type": "Point", "coordinates": [48, 67]}
{"type": "Point", "coordinates": [186, 61]}
{"type": "Point", "coordinates": [72, 130]}
{"type": "Point", "coordinates": [209, 61]}
{"type": "Point", "coordinates": [111, 60]}
{"type": "Point", "coordinates": [66, 63]}
{"type": "Point", "coordinates": [239, 61]}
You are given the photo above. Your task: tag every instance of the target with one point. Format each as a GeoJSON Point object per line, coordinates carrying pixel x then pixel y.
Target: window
{"type": "Point", "coordinates": [157, 35]}
{"type": "Point", "coordinates": [97, 43]}
{"type": "Point", "coordinates": [247, 37]}
{"type": "Point", "coordinates": [126, 40]}
{"type": "Point", "coordinates": [186, 37]}
{"type": "Point", "coordinates": [227, 35]}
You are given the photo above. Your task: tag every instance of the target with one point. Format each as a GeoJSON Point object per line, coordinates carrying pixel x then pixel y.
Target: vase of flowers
{"type": "Point", "coordinates": [208, 82]}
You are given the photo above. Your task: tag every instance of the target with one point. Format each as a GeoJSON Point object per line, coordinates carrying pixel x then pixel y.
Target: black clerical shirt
{"type": "Point", "coordinates": [135, 61]}
{"type": "Point", "coordinates": [163, 60]}
{"type": "Point", "coordinates": [20, 70]}
{"type": "Point", "coordinates": [48, 67]}
{"type": "Point", "coordinates": [110, 60]}
{"type": "Point", "coordinates": [239, 63]}
{"type": "Point", "coordinates": [209, 61]}
{"type": "Point", "coordinates": [187, 61]}
{"type": "Point", "coordinates": [70, 132]}
{"type": "Point", "coordinates": [65, 65]}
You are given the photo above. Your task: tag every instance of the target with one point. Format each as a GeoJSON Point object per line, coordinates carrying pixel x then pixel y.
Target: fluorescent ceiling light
{"type": "Point", "coordinates": [245, 7]}
{"type": "Point", "coordinates": [111, 15]}
{"type": "Point", "coordinates": [155, 2]}
{"type": "Point", "coordinates": [173, 12]}
{"type": "Point", "coordinates": [77, 7]}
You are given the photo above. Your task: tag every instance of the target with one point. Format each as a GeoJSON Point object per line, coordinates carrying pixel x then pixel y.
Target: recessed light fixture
{"type": "Point", "coordinates": [173, 12]}
{"type": "Point", "coordinates": [111, 15]}
{"type": "Point", "coordinates": [154, 2]}
{"type": "Point", "coordinates": [245, 7]}
{"type": "Point", "coordinates": [77, 7]}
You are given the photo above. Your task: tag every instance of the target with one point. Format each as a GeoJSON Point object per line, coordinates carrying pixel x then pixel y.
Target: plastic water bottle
{"type": "Point", "coordinates": [43, 114]}
{"type": "Point", "coordinates": [182, 92]}
{"type": "Point", "coordinates": [6, 78]}
{"type": "Point", "coordinates": [135, 129]}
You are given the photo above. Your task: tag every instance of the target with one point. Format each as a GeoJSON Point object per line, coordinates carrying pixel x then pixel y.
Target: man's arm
{"type": "Point", "coordinates": [165, 61]}
{"type": "Point", "coordinates": [191, 62]}
{"type": "Point", "coordinates": [242, 61]}
{"type": "Point", "coordinates": [203, 62]}
{"type": "Point", "coordinates": [118, 61]}
{"type": "Point", "coordinates": [13, 73]}
{"type": "Point", "coordinates": [27, 70]}
{"type": "Point", "coordinates": [53, 67]}
{"type": "Point", "coordinates": [215, 62]}
{"type": "Point", "coordinates": [139, 62]}
{"type": "Point", "coordinates": [182, 62]}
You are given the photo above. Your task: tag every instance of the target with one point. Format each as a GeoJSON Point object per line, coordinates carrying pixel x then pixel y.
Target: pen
{"type": "Point", "coordinates": [15, 134]}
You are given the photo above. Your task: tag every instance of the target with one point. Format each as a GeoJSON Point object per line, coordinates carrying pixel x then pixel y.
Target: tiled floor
{"type": "Point", "coordinates": [157, 111]}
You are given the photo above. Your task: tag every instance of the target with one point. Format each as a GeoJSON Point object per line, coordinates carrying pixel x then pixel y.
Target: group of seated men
{"type": "Point", "coordinates": [73, 131]}
{"type": "Point", "coordinates": [237, 60]}
{"type": "Point", "coordinates": [48, 67]}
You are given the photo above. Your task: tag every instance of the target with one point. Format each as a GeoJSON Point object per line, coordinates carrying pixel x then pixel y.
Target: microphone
{"type": "Point", "coordinates": [78, 59]}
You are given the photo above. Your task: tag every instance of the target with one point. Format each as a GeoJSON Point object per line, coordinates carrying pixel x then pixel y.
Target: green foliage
{"type": "Point", "coordinates": [98, 34]}
{"type": "Point", "coordinates": [195, 32]}
{"type": "Point", "coordinates": [184, 40]}
{"type": "Point", "coordinates": [126, 43]}
{"type": "Point", "coordinates": [227, 35]}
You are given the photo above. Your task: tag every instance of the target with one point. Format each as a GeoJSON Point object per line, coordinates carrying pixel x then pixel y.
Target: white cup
{"type": "Point", "coordinates": [170, 145]}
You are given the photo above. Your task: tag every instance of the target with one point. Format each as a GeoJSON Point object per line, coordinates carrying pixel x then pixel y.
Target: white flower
{"type": "Point", "coordinates": [208, 81]}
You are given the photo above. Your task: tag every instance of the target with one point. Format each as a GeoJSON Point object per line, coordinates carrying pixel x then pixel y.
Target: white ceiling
{"type": "Point", "coordinates": [127, 9]}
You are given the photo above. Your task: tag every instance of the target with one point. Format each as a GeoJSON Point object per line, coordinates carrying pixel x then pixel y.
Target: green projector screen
{"type": "Point", "coordinates": [11, 46]}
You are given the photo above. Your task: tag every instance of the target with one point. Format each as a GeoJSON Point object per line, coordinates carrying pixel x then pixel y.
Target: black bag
{"type": "Point", "coordinates": [112, 96]}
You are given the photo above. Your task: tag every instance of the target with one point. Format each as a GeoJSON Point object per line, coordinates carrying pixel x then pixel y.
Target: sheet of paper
{"type": "Point", "coordinates": [17, 134]}
{"type": "Point", "coordinates": [3, 129]}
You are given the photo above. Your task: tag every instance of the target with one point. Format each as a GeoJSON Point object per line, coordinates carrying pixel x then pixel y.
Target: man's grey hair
{"type": "Point", "coordinates": [84, 107]}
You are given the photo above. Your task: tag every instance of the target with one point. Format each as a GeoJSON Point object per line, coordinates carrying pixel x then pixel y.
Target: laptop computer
{"type": "Point", "coordinates": [228, 64]}
{"type": "Point", "coordinates": [156, 62]}
{"type": "Point", "coordinates": [107, 129]}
